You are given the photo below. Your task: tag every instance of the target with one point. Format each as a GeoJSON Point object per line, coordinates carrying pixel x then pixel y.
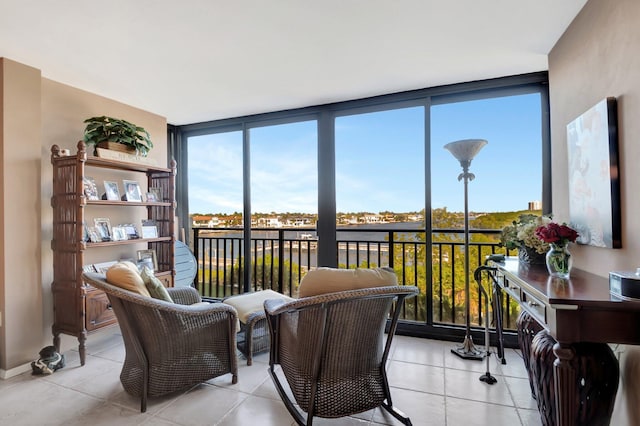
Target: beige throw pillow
{"type": "Point", "coordinates": [330, 280]}
{"type": "Point", "coordinates": [125, 275]}
{"type": "Point", "coordinates": [156, 289]}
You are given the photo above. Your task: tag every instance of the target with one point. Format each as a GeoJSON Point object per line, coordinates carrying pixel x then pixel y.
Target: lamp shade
{"type": "Point", "coordinates": [464, 150]}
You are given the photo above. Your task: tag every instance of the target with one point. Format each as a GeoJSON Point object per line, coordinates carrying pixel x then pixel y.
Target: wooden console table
{"type": "Point", "coordinates": [573, 311]}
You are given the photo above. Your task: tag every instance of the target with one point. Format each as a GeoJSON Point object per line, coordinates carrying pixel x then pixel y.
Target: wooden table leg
{"type": "Point", "coordinates": [565, 377]}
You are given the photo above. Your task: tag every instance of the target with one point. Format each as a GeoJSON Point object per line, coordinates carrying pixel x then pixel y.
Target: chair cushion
{"type": "Point", "coordinates": [125, 275]}
{"type": "Point", "coordinates": [249, 303]}
{"type": "Point", "coordinates": [155, 287]}
{"type": "Point", "coordinates": [330, 280]}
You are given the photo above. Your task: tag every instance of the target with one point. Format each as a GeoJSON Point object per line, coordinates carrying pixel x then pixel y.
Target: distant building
{"type": "Point", "coordinates": [535, 205]}
{"type": "Point", "coordinates": [205, 221]}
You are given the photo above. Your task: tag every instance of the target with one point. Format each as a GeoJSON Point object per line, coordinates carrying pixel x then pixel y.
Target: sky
{"type": "Point", "coordinates": [380, 161]}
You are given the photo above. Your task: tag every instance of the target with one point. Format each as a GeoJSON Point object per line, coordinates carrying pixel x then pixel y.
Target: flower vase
{"type": "Point", "coordinates": [559, 260]}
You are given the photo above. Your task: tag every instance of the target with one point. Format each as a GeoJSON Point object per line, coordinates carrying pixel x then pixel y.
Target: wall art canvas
{"type": "Point", "coordinates": [594, 185]}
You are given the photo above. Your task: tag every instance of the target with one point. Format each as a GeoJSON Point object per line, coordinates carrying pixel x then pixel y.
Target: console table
{"type": "Point", "coordinates": [572, 311]}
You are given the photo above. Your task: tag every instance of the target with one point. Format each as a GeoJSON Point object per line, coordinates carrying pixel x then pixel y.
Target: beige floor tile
{"type": "Point", "coordinates": [418, 377]}
{"type": "Point", "coordinates": [202, 405]}
{"type": "Point", "coordinates": [422, 408]}
{"type": "Point", "coordinates": [37, 402]}
{"type": "Point", "coordinates": [461, 384]}
{"type": "Point", "coordinates": [421, 351]}
{"type": "Point", "coordinates": [107, 414]}
{"type": "Point", "coordinates": [514, 366]}
{"type": "Point", "coordinates": [473, 413]}
{"type": "Point", "coordinates": [258, 411]}
{"type": "Point", "coordinates": [268, 390]}
{"type": "Point", "coordinates": [531, 417]}
{"type": "Point", "coordinates": [520, 391]}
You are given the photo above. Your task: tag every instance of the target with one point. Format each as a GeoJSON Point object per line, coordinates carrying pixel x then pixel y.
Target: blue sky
{"type": "Point", "coordinates": [379, 161]}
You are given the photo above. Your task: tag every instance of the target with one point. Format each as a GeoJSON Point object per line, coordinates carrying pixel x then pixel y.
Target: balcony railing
{"type": "Point", "coordinates": [280, 257]}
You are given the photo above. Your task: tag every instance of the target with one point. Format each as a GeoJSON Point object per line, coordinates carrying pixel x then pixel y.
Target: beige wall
{"type": "Point", "coordinates": [20, 214]}
{"type": "Point", "coordinates": [36, 114]}
{"type": "Point", "coordinates": [595, 58]}
{"type": "Point", "coordinates": [599, 56]}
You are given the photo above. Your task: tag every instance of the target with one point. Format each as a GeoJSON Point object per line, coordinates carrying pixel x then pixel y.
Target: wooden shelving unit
{"type": "Point", "coordinates": [80, 309]}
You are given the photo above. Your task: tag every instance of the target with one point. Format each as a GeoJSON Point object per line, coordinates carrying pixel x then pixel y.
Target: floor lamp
{"type": "Point", "coordinates": [464, 151]}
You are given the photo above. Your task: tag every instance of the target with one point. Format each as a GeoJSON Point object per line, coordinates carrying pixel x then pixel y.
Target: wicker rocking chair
{"type": "Point", "coordinates": [333, 351]}
{"type": "Point", "coordinates": [171, 346]}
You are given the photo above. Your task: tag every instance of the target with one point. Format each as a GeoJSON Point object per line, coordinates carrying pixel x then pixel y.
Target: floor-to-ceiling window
{"type": "Point", "coordinates": [508, 181]}
{"type": "Point", "coordinates": [215, 174]}
{"type": "Point", "coordinates": [325, 175]}
{"type": "Point", "coordinates": [284, 202]}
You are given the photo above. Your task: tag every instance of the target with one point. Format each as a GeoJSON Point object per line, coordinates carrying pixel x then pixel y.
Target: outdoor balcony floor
{"type": "Point", "coordinates": [431, 385]}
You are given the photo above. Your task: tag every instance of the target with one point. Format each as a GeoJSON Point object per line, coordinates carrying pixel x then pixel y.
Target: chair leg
{"type": "Point", "coordinates": [285, 398]}
{"type": "Point", "coordinates": [397, 414]}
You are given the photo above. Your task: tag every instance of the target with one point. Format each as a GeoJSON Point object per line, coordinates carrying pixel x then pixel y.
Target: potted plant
{"type": "Point", "coordinates": [105, 131]}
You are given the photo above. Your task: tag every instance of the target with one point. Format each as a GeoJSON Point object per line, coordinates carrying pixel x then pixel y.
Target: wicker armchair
{"type": "Point", "coordinates": [332, 351]}
{"type": "Point", "coordinates": [171, 346]}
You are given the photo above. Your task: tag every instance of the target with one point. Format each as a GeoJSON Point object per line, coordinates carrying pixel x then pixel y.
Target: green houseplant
{"type": "Point", "coordinates": [108, 129]}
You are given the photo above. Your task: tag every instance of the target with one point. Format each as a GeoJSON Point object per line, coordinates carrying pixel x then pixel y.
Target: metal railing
{"type": "Point", "coordinates": [280, 257]}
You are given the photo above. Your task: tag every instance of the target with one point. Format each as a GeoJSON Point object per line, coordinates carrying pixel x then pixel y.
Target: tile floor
{"type": "Point", "coordinates": [431, 385]}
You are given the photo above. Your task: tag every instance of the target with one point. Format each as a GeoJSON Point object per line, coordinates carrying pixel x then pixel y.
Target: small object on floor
{"type": "Point", "coordinates": [50, 360]}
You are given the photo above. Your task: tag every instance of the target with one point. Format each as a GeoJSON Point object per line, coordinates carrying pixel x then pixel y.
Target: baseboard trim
{"type": "Point", "coordinates": [16, 371]}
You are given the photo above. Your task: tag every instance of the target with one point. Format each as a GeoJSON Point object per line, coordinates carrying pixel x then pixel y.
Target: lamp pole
{"type": "Point", "coordinates": [464, 151]}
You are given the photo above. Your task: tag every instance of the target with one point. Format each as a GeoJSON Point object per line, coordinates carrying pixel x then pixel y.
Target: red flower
{"type": "Point", "coordinates": [554, 233]}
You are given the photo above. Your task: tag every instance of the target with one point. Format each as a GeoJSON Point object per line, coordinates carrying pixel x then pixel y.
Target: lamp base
{"type": "Point", "coordinates": [488, 378]}
{"type": "Point", "coordinates": [468, 350]}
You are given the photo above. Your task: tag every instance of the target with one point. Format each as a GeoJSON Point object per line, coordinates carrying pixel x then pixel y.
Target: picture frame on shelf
{"type": "Point", "coordinates": [149, 229]}
{"type": "Point", "coordinates": [85, 232]}
{"type": "Point", "coordinates": [93, 235]}
{"type": "Point", "coordinates": [119, 233]}
{"type": "Point", "coordinates": [111, 191]}
{"type": "Point", "coordinates": [154, 195]}
{"type": "Point", "coordinates": [131, 231]}
{"type": "Point", "coordinates": [147, 258]}
{"type": "Point", "coordinates": [132, 191]}
{"type": "Point", "coordinates": [89, 188]}
{"type": "Point", "coordinates": [103, 227]}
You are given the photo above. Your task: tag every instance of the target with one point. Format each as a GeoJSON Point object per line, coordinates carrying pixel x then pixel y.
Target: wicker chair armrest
{"type": "Point", "coordinates": [184, 295]}
{"type": "Point", "coordinates": [271, 305]}
{"type": "Point", "coordinates": [276, 309]}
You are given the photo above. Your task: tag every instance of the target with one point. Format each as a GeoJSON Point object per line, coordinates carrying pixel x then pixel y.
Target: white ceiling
{"type": "Point", "coordinates": [199, 60]}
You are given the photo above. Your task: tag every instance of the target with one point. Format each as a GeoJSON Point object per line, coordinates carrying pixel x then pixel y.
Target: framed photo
{"type": "Point", "coordinates": [154, 195]}
{"type": "Point", "coordinates": [131, 231]}
{"type": "Point", "coordinates": [119, 233]}
{"type": "Point", "coordinates": [90, 189]}
{"type": "Point", "coordinates": [103, 228]}
{"type": "Point", "coordinates": [111, 190]}
{"type": "Point", "coordinates": [149, 229]}
{"type": "Point", "coordinates": [93, 235]}
{"type": "Point", "coordinates": [132, 191]}
{"type": "Point", "coordinates": [85, 232]}
{"type": "Point", "coordinates": [147, 258]}
{"type": "Point", "coordinates": [594, 186]}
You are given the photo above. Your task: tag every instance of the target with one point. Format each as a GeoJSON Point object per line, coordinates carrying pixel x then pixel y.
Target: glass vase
{"type": "Point", "coordinates": [559, 260]}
